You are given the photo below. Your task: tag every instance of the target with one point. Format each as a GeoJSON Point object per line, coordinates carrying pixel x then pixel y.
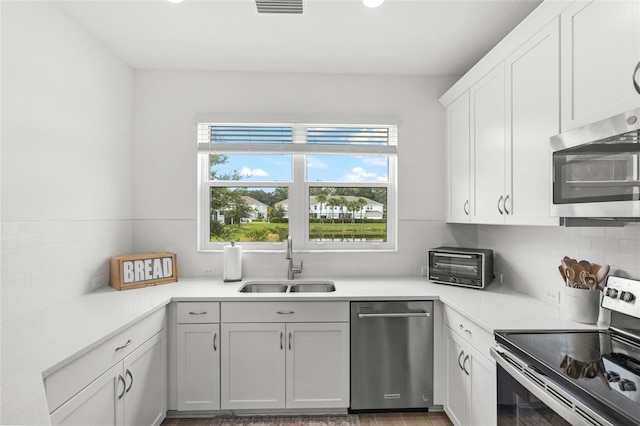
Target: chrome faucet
{"type": "Point", "coordinates": [292, 270]}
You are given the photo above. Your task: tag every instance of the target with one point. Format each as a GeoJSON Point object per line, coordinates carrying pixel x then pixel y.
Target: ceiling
{"type": "Point", "coordinates": [412, 37]}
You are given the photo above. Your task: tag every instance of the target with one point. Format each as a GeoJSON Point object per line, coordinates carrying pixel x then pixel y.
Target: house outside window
{"type": "Point", "coordinates": [330, 187]}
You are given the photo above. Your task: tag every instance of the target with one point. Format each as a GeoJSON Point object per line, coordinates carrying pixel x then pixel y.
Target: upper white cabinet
{"type": "Point", "coordinates": [600, 50]}
{"type": "Point", "coordinates": [488, 148]}
{"type": "Point", "coordinates": [459, 173]}
{"type": "Point", "coordinates": [533, 116]}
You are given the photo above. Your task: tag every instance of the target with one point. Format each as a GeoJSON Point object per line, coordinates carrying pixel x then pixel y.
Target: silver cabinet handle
{"type": "Point", "coordinates": [289, 340]}
{"type": "Point", "coordinates": [123, 346]}
{"type": "Point", "coordinates": [198, 313]}
{"type": "Point", "coordinates": [466, 207]}
{"type": "Point", "coordinates": [128, 373]}
{"type": "Point", "coordinates": [500, 201]}
{"type": "Point", "coordinates": [457, 255]}
{"type": "Point", "coordinates": [281, 343]}
{"type": "Point", "coordinates": [124, 386]}
{"type": "Point", "coordinates": [466, 330]}
{"type": "Point", "coordinates": [505, 204]}
{"type": "Point", "coordinates": [396, 315]}
{"type": "Point", "coordinates": [215, 336]}
{"type": "Point", "coordinates": [459, 363]}
{"type": "Point", "coordinates": [464, 364]}
{"type": "Point", "coordinates": [286, 312]}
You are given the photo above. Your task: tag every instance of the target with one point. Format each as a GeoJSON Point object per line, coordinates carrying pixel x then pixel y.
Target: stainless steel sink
{"type": "Point", "coordinates": [287, 286]}
{"type": "Point", "coordinates": [313, 287]}
{"type": "Point", "coordinates": [263, 287]}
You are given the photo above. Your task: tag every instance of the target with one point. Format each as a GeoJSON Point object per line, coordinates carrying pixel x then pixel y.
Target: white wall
{"type": "Point", "coordinates": [528, 256]}
{"type": "Point", "coordinates": [66, 158]}
{"type": "Point", "coordinates": [166, 103]}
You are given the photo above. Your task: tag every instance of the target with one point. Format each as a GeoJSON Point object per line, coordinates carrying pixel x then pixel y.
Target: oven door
{"type": "Point", "coordinates": [526, 396]}
{"type": "Point", "coordinates": [456, 268]}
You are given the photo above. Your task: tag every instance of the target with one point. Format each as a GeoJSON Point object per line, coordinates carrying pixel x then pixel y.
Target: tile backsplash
{"type": "Point", "coordinates": [44, 263]}
{"type": "Point", "coordinates": [528, 256]}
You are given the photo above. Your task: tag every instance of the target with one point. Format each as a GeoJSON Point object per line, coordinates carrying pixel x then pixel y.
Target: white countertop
{"type": "Point", "coordinates": [36, 345]}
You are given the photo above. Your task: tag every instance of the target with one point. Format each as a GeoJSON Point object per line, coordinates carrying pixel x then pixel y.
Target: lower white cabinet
{"type": "Point", "coordinates": [132, 392]}
{"type": "Point", "coordinates": [470, 383]}
{"type": "Point", "coordinates": [198, 356]}
{"type": "Point", "coordinates": [276, 365]}
{"type": "Point", "coordinates": [284, 355]}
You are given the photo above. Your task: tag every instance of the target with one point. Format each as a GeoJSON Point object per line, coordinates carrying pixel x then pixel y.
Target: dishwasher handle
{"type": "Point", "coordinates": [395, 315]}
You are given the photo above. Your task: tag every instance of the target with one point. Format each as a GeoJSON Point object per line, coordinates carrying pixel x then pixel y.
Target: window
{"type": "Point", "coordinates": [331, 187]}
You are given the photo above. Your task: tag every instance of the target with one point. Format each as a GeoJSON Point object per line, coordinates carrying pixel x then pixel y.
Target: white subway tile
{"type": "Point", "coordinates": [630, 246]}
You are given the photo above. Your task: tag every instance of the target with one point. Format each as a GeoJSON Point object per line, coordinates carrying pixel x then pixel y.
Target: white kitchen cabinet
{"type": "Point", "coordinates": [120, 382]}
{"type": "Point", "coordinates": [514, 112]}
{"type": "Point", "coordinates": [131, 392]}
{"type": "Point", "coordinates": [533, 116]}
{"type": "Point", "coordinates": [299, 362]}
{"type": "Point", "coordinates": [317, 365]}
{"type": "Point", "coordinates": [488, 138]}
{"type": "Point", "coordinates": [458, 160]}
{"type": "Point", "coordinates": [253, 361]}
{"type": "Point", "coordinates": [470, 383]}
{"type": "Point", "coordinates": [198, 356]}
{"type": "Point", "coordinates": [600, 50]}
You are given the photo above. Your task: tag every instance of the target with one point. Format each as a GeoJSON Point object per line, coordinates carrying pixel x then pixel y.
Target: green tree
{"type": "Point", "coordinates": [320, 200]}
{"type": "Point", "coordinates": [333, 203]}
{"type": "Point", "coordinates": [342, 203]}
{"type": "Point", "coordinates": [239, 209]}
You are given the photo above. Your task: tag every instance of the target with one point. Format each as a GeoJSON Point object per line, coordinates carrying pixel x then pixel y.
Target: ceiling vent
{"type": "Point", "coordinates": [279, 6]}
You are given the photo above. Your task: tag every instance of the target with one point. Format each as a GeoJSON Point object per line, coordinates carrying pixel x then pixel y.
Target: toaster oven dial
{"type": "Point", "coordinates": [612, 293]}
{"type": "Point", "coordinates": [453, 280]}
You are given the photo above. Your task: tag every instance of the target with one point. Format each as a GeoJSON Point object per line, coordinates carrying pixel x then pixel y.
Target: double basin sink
{"type": "Point", "coordinates": [288, 287]}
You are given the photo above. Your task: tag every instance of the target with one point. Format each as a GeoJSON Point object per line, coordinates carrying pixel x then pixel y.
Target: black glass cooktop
{"type": "Point", "coordinates": [600, 367]}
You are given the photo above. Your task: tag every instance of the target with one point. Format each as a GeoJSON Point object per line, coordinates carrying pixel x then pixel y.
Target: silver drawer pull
{"type": "Point", "coordinates": [123, 346]}
{"type": "Point", "coordinates": [198, 313]}
{"type": "Point", "coordinates": [286, 312]}
{"type": "Point", "coordinates": [394, 315]}
{"type": "Point", "coordinates": [466, 330]}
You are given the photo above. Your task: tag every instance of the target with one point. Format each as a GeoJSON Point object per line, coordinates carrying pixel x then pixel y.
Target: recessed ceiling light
{"type": "Point", "coordinates": [372, 3]}
{"type": "Point", "coordinates": [174, 1]}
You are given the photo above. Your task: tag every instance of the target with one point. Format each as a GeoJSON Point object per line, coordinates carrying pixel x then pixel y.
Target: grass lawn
{"type": "Point", "coordinates": [265, 231]}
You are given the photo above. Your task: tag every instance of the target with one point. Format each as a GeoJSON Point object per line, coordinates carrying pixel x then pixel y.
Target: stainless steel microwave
{"type": "Point", "coordinates": [467, 267]}
{"type": "Point", "coordinates": [596, 169]}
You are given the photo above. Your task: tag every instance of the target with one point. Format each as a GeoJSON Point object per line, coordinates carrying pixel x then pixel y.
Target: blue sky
{"type": "Point", "coordinates": [341, 168]}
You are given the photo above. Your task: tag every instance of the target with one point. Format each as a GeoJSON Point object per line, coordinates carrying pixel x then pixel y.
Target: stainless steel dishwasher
{"type": "Point", "coordinates": [391, 355]}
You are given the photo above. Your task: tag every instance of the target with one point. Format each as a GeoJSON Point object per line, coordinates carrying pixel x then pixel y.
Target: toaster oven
{"type": "Point", "coordinates": [467, 267]}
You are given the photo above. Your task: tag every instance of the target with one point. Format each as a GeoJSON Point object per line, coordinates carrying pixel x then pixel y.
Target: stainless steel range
{"type": "Point", "coordinates": [574, 377]}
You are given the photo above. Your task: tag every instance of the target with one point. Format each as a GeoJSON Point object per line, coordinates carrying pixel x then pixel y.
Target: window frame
{"type": "Point", "coordinates": [298, 190]}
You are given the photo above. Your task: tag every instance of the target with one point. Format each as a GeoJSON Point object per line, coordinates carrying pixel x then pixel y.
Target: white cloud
{"type": "Point", "coordinates": [375, 161]}
{"type": "Point", "coordinates": [315, 163]}
{"type": "Point", "coordinates": [246, 171]}
{"type": "Point", "coordinates": [359, 174]}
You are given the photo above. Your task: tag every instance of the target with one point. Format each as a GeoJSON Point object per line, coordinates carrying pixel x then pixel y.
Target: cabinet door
{"type": "Point", "coordinates": [456, 382]}
{"type": "Point", "coordinates": [101, 403]}
{"type": "Point", "coordinates": [488, 148]}
{"type": "Point", "coordinates": [600, 50]}
{"type": "Point", "coordinates": [145, 377]}
{"type": "Point", "coordinates": [482, 408]}
{"type": "Point", "coordinates": [252, 365]}
{"type": "Point", "coordinates": [533, 103]}
{"type": "Point", "coordinates": [458, 162]}
{"type": "Point", "coordinates": [317, 365]}
{"type": "Point", "coordinates": [198, 368]}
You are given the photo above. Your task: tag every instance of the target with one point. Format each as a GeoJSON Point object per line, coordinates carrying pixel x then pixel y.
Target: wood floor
{"type": "Point", "coordinates": [367, 419]}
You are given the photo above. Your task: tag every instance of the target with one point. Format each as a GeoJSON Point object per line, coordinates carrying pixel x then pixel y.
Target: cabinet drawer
{"type": "Point", "coordinates": [69, 380]}
{"type": "Point", "coordinates": [285, 311]}
{"type": "Point", "coordinates": [198, 312]}
{"type": "Point", "coordinates": [472, 333]}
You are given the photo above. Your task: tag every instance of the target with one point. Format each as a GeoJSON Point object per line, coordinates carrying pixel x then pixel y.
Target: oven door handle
{"type": "Point", "coordinates": [540, 390]}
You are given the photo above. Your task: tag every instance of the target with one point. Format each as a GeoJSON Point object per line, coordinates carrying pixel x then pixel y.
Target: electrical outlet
{"type": "Point", "coordinates": [552, 296]}
{"type": "Point", "coordinates": [208, 272]}
{"type": "Point", "coordinates": [424, 271]}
